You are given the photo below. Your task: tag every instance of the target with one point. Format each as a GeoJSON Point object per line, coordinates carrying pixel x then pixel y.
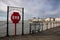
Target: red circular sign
{"type": "Point", "coordinates": [15, 17]}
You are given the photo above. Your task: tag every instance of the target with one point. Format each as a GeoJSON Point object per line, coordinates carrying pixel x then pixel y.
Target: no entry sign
{"type": "Point", "coordinates": [15, 18]}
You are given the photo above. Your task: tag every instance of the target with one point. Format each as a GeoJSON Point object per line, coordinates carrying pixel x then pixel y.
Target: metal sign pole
{"type": "Point", "coordinates": [22, 21]}
{"type": "Point", "coordinates": [7, 19]}
{"type": "Point", "coordinates": [15, 29]}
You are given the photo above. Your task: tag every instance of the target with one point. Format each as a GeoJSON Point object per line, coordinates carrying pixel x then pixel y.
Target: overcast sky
{"type": "Point", "coordinates": [33, 8]}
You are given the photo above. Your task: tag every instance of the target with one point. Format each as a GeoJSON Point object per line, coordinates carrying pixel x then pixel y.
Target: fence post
{"type": "Point", "coordinates": [30, 28]}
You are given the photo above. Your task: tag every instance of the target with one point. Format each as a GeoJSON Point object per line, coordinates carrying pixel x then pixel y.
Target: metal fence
{"type": "Point", "coordinates": [42, 26]}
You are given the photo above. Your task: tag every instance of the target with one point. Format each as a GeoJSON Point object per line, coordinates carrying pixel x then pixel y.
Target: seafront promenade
{"type": "Point", "coordinates": [51, 34]}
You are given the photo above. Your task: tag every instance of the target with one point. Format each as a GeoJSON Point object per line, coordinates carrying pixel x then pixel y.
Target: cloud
{"type": "Point", "coordinates": [3, 6]}
{"type": "Point", "coordinates": [37, 8]}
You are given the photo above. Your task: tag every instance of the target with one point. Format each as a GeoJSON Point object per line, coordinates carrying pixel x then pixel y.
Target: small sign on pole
{"type": "Point", "coordinates": [15, 17]}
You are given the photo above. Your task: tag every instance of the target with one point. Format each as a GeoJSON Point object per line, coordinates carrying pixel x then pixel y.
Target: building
{"type": "Point", "coordinates": [44, 19]}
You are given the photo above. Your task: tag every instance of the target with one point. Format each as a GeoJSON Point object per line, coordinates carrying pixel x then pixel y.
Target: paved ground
{"type": "Point", "coordinates": [52, 34]}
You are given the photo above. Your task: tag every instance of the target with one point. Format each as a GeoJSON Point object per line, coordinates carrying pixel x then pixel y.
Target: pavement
{"type": "Point", "coordinates": [50, 34]}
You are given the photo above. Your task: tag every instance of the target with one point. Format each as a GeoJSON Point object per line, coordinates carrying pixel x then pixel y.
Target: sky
{"type": "Point", "coordinates": [32, 8]}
